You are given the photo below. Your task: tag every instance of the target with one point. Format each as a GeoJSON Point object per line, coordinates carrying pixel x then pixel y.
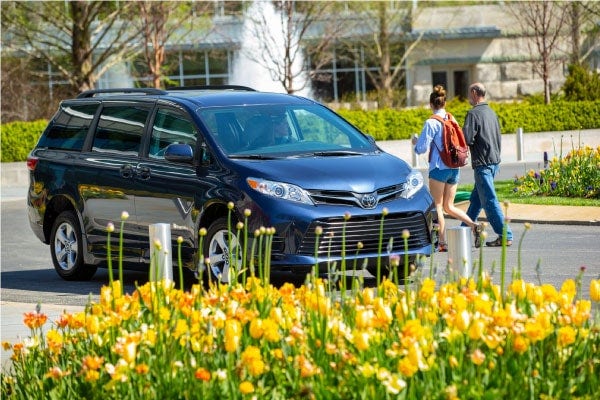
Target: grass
{"type": "Point", "coordinates": [505, 191]}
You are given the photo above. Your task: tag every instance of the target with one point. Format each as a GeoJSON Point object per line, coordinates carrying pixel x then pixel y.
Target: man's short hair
{"type": "Point", "coordinates": [479, 89]}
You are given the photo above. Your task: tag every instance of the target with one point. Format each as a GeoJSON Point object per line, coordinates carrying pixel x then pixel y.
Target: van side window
{"type": "Point", "coordinates": [170, 127]}
{"type": "Point", "coordinates": [69, 128]}
{"type": "Point", "coordinates": [120, 129]}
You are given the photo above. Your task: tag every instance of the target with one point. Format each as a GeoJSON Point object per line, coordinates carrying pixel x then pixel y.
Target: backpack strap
{"type": "Point", "coordinates": [441, 120]}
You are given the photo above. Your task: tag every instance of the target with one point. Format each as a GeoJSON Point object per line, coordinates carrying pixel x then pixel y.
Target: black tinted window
{"type": "Point", "coordinates": [170, 127]}
{"type": "Point", "coordinates": [120, 128]}
{"type": "Point", "coordinates": [69, 128]}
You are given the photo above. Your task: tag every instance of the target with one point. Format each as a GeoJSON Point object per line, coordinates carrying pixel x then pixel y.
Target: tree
{"type": "Point", "coordinates": [585, 29]}
{"type": "Point", "coordinates": [282, 45]}
{"type": "Point", "coordinates": [386, 38]}
{"type": "Point", "coordinates": [161, 22]}
{"type": "Point", "coordinates": [24, 97]}
{"type": "Point", "coordinates": [545, 22]}
{"type": "Point", "coordinates": [81, 40]}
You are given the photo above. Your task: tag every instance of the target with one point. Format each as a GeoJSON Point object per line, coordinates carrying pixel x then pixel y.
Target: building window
{"type": "Point", "coordinates": [457, 87]}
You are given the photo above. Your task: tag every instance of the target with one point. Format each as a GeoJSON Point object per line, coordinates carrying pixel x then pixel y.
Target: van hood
{"type": "Point", "coordinates": [357, 173]}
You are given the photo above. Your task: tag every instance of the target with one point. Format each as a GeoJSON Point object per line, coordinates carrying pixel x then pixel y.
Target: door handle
{"type": "Point", "coordinates": [126, 171]}
{"type": "Point", "coordinates": [144, 173]}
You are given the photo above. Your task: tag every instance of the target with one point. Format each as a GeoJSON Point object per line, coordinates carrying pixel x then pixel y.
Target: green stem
{"type": "Point", "coordinates": [180, 265]}
{"type": "Point", "coordinates": [503, 261]}
{"type": "Point", "coordinates": [109, 259]}
{"type": "Point", "coordinates": [121, 255]}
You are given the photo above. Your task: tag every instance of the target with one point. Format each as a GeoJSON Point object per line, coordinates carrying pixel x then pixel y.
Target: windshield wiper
{"type": "Point", "coordinates": [333, 153]}
{"type": "Point", "coordinates": [252, 157]}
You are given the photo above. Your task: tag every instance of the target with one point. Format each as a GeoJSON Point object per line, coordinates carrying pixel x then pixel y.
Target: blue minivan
{"type": "Point", "coordinates": [203, 159]}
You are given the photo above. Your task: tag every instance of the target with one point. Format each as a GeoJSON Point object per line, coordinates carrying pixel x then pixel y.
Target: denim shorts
{"type": "Point", "coordinates": [449, 175]}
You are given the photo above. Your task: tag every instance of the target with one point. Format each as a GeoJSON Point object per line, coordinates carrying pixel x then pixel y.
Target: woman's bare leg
{"type": "Point", "coordinates": [451, 209]}
{"type": "Point", "coordinates": [436, 188]}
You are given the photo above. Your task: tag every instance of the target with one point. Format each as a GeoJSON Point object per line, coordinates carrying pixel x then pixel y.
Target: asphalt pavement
{"type": "Point", "coordinates": [519, 154]}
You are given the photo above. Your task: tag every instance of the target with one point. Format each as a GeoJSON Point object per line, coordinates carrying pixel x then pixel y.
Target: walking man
{"type": "Point", "coordinates": [482, 133]}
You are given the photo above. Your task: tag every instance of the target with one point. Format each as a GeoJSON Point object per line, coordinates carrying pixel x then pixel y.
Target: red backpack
{"type": "Point", "coordinates": [454, 151]}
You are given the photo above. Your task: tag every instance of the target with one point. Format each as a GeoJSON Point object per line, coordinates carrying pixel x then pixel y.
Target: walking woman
{"type": "Point", "coordinates": [443, 180]}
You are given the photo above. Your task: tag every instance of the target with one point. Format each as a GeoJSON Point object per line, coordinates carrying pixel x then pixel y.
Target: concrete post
{"type": "Point", "coordinates": [459, 249]}
{"type": "Point", "coordinates": [161, 259]}
{"type": "Point", "coordinates": [520, 144]}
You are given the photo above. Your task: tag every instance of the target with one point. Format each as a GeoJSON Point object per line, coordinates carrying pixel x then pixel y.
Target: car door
{"type": "Point", "coordinates": [106, 177]}
{"type": "Point", "coordinates": [166, 190]}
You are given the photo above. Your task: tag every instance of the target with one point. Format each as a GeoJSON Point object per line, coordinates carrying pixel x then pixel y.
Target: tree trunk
{"type": "Point", "coordinates": [81, 48]}
{"type": "Point", "coordinates": [575, 31]}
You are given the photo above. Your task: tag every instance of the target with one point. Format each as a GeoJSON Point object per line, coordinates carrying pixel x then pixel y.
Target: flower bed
{"type": "Point", "coordinates": [575, 175]}
{"type": "Point", "coordinates": [461, 339]}
{"type": "Point", "coordinates": [457, 339]}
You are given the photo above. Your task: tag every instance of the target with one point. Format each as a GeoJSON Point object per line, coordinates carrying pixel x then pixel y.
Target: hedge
{"type": "Point", "coordinates": [18, 138]}
{"type": "Point", "coordinates": [557, 116]}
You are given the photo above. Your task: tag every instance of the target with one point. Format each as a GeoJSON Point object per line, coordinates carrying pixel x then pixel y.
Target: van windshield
{"type": "Point", "coordinates": [284, 130]}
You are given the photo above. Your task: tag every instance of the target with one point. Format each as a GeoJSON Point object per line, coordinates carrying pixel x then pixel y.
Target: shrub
{"type": "Point", "coordinates": [18, 138]}
{"type": "Point", "coordinates": [581, 84]}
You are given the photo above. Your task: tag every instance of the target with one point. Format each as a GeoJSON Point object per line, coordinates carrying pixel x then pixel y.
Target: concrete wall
{"type": "Point", "coordinates": [505, 64]}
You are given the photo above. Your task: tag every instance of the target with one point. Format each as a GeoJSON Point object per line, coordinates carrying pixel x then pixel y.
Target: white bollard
{"type": "Point", "coordinates": [415, 156]}
{"type": "Point", "coordinates": [161, 260]}
{"type": "Point", "coordinates": [520, 148]}
{"type": "Point", "coordinates": [459, 249]}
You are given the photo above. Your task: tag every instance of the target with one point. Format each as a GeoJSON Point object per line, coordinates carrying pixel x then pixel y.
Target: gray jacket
{"type": "Point", "coordinates": [482, 133]}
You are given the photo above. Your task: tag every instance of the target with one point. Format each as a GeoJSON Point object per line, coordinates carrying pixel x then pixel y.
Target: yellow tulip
{"type": "Point", "coordinates": [233, 332]}
{"type": "Point", "coordinates": [477, 329]}
{"type": "Point", "coordinates": [361, 340]}
{"type": "Point", "coordinates": [477, 357]}
{"type": "Point", "coordinates": [520, 344]}
{"type": "Point", "coordinates": [595, 290]}
{"type": "Point", "coordinates": [566, 336]}
{"type": "Point", "coordinates": [256, 330]}
{"type": "Point", "coordinates": [246, 387]}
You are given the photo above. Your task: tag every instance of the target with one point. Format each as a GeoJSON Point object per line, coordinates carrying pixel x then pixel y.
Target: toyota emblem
{"type": "Point", "coordinates": [369, 200]}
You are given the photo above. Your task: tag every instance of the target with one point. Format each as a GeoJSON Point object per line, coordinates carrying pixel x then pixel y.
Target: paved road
{"type": "Point", "coordinates": [27, 274]}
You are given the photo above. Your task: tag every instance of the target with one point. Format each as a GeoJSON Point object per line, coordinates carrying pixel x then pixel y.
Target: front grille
{"type": "Point", "coordinates": [366, 230]}
{"type": "Point", "coordinates": [337, 197]}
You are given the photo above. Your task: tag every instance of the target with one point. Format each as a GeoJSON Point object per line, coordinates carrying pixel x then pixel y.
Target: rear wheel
{"type": "Point", "coordinates": [66, 249]}
{"type": "Point", "coordinates": [223, 249]}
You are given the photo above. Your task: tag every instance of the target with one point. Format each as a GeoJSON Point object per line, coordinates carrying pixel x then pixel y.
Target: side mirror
{"type": "Point", "coordinates": [179, 153]}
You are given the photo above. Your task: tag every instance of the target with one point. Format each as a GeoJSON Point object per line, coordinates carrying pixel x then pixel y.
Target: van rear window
{"type": "Point", "coordinates": [69, 128]}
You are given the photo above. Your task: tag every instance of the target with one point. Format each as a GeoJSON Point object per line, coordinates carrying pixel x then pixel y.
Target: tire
{"type": "Point", "coordinates": [66, 249]}
{"type": "Point", "coordinates": [385, 269]}
{"type": "Point", "coordinates": [217, 249]}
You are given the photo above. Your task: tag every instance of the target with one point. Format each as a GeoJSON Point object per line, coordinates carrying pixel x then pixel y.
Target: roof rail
{"type": "Point", "coordinates": [96, 92]}
{"type": "Point", "coordinates": [214, 87]}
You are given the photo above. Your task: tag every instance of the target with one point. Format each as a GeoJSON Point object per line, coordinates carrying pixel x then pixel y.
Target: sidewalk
{"type": "Point", "coordinates": [15, 331]}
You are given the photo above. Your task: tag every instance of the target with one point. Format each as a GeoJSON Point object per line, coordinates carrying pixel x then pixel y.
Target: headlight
{"type": "Point", "coordinates": [280, 190]}
{"type": "Point", "coordinates": [414, 182]}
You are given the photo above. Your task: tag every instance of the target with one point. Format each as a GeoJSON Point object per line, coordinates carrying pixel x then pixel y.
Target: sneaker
{"type": "Point", "coordinates": [442, 247]}
{"type": "Point", "coordinates": [498, 243]}
{"type": "Point", "coordinates": [477, 229]}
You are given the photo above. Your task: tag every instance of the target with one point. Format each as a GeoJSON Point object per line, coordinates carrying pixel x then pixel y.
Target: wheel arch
{"type": "Point", "coordinates": [54, 208]}
{"type": "Point", "coordinates": [213, 212]}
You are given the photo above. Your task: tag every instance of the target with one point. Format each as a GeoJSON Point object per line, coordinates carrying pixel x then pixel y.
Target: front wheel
{"type": "Point", "coordinates": [386, 270]}
{"type": "Point", "coordinates": [66, 249]}
{"type": "Point", "coordinates": [223, 250]}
